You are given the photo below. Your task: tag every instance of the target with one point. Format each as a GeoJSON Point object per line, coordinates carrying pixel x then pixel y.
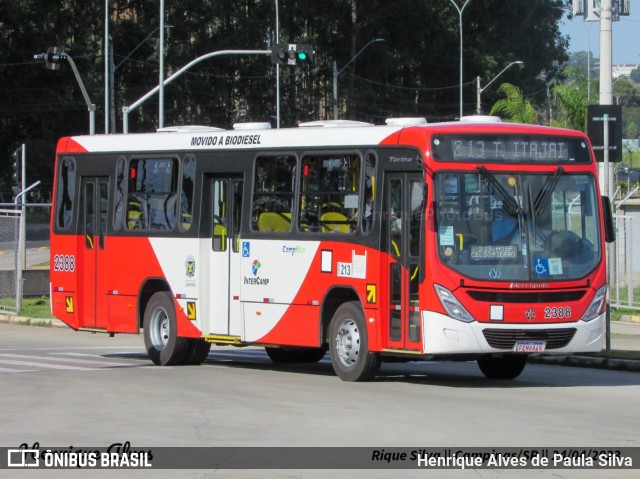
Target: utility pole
{"type": "Point", "coordinates": [606, 80]}
{"type": "Point", "coordinates": [606, 98]}
{"type": "Point", "coordinates": [460, 11]}
{"type": "Point", "coordinates": [107, 67]}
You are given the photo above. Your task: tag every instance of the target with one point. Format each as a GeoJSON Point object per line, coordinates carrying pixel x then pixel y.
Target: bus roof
{"type": "Point", "coordinates": [327, 133]}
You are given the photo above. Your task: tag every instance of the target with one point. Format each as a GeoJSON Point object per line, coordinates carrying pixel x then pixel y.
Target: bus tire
{"type": "Point", "coordinates": [506, 366]}
{"type": "Point", "coordinates": [295, 355]}
{"type": "Point", "coordinates": [198, 351]}
{"type": "Point", "coordinates": [349, 346]}
{"type": "Point", "coordinates": [161, 339]}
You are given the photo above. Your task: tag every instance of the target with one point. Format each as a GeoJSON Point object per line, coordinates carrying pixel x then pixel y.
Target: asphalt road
{"type": "Point", "coordinates": [63, 388]}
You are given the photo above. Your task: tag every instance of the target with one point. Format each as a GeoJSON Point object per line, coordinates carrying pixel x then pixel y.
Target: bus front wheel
{"type": "Point", "coordinates": [506, 366]}
{"type": "Point", "coordinates": [161, 339]}
{"type": "Point", "coordinates": [348, 344]}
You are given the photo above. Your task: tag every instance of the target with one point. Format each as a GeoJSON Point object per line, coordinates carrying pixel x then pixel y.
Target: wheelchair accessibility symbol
{"type": "Point", "coordinates": [246, 249]}
{"type": "Point", "coordinates": [541, 267]}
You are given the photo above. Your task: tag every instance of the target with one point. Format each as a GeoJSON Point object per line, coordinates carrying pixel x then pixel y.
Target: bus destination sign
{"type": "Point", "coordinates": [503, 148]}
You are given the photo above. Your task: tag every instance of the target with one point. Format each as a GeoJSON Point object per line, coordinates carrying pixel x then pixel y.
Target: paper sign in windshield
{"type": "Point", "coordinates": [494, 252]}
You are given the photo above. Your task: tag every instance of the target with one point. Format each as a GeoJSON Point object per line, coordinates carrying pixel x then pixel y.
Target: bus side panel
{"type": "Point", "coordinates": [293, 325]}
{"type": "Point", "coordinates": [177, 261]}
{"type": "Point", "coordinates": [130, 262]}
{"type": "Point", "coordinates": [339, 270]}
{"type": "Point", "coordinates": [64, 276]}
{"type": "Point", "coordinates": [122, 314]}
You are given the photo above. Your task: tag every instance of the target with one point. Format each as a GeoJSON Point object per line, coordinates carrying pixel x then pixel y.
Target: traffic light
{"type": "Point", "coordinates": [291, 54]}
{"type": "Point", "coordinates": [53, 58]}
{"type": "Point", "coordinates": [16, 166]}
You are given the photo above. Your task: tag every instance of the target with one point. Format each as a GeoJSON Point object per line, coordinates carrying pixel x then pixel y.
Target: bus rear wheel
{"type": "Point", "coordinates": [295, 355]}
{"type": "Point", "coordinates": [198, 351]}
{"type": "Point", "coordinates": [161, 339]}
{"type": "Point", "coordinates": [506, 366]}
{"type": "Point", "coordinates": [349, 346]}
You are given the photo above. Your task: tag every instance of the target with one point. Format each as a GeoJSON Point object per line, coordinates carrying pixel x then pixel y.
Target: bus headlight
{"type": "Point", "coordinates": [597, 305]}
{"type": "Point", "coordinates": [451, 304]}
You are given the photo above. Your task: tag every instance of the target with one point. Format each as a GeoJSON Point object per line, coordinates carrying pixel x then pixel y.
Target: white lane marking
{"type": "Point", "coordinates": [42, 365]}
{"type": "Point", "coordinates": [108, 362]}
{"type": "Point", "coordinates": [11, 370]}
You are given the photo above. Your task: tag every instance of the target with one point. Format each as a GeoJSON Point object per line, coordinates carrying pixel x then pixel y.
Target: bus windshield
{"type": "Point", "coordinates": [517, 227]}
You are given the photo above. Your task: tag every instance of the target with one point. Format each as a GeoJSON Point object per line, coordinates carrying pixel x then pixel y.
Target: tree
{"type": "Point", "coordinates": [514, 108]}
{"type": "Point", "coordinates": [571, 100]}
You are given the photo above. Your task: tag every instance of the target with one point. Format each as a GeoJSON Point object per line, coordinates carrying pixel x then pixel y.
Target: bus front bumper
{"type": "Point", "coordinates": [445, 335]}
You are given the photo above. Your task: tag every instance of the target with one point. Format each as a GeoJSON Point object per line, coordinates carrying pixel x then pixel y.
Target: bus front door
{"type": "Point", "coordinates": [93, 225]}
{"type": "Point", "coordinates": [224, 259]}
{"type": "Point", "coordinates": [403, 204]}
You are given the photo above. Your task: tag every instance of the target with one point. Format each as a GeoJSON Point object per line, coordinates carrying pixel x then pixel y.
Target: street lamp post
{"type": "Point", "coordinates": [337, 72]}
{"type": "Point", "coordinates": [460, 10]}
{"type": "Point", "coordinates": [53, 57]}
{"type": "Point", "coordinates": [480, 90]}
{"type": "Point", "coordinates": [129, 108]}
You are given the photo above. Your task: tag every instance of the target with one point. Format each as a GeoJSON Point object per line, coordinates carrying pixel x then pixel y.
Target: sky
{"type": "Point", "coordinates": [626, 36]}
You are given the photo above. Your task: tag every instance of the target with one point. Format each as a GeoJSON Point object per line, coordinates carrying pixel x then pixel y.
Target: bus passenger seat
{"type": "Point", "coordinates": [278, 222]}
{"type": "Point", "coordinates": [334, 223]}
{"type": "Point", "coordinates": [134, 215]}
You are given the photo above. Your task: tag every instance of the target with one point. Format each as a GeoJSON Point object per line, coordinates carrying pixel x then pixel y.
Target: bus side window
{"type": "Point", "coordinates": [273, 194]}
{"type": "Point", "coordinates": [66, 187]}
{"type": "Point", "coordinates": [219, 215]}
{"type": "Point", "coordinates": [119, 199]}
{"type": "Point", "coordinates": [186, 196]}
{"type": "Point", "coordinates": [152, 201]}
{"type": "Point", "coordinates": [329, 193]}
{"type": "Point", "coordinates": [369, 193]}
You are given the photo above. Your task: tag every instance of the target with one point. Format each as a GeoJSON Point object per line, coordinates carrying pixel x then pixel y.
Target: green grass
{"type": "Point", "coordinates": [36, 307]}
{"type": "Point", "coordinates": [618, 313]}
{"type": "Point", "coordinates": [619, 354]}
{"type": "Point", "coordinates": [43, 265]}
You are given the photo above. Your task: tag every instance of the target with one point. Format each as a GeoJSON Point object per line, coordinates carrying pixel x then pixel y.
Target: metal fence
{"type": "Point", "coordinates": [9, 260]}
{"type": "Point", "coordinates": [37, 236]}
{"type": "Point", "coordinates": [625, 266]}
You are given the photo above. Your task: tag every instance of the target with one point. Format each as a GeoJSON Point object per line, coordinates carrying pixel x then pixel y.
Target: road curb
{"type": "Point", "coordinates": [26, 321]}
{"type": "Point", "coordinates": [588, 362]}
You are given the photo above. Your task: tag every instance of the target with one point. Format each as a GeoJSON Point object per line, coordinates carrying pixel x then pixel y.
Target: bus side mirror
{"type": "Point", "coordinates": [609, 230]}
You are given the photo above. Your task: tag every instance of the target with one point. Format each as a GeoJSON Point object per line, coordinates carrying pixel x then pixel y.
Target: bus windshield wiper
{"type": "Point", "coordinates": [545, 192]}
{"type": "Point", "coordinates": [508, 202]}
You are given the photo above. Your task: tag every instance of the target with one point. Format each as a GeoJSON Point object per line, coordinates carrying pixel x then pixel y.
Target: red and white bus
{"type": "Point", "coordinates": [468, 240]}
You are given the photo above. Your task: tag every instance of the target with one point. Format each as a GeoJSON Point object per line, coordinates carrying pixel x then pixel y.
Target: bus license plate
{"type": "Point", "coordinates": [530, 346]}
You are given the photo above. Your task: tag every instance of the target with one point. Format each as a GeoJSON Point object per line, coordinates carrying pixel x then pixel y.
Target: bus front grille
{"type": "Point", "coordinates": [506, 338]}
{"type": "Point", "coordinates": [526, 297]}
